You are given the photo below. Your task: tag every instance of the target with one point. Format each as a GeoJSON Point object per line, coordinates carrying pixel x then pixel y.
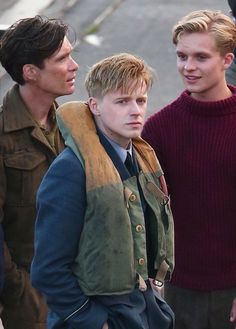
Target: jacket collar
{"type": "Point", "coordinates": [15, 114]}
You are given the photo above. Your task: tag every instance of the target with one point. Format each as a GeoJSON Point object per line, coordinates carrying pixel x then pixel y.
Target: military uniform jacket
{"type": "Point", "coordinates": [25, 155]}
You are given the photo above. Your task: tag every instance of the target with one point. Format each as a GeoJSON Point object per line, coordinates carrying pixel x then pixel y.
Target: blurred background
{"type": "Point", "coordinates": [105, 27]}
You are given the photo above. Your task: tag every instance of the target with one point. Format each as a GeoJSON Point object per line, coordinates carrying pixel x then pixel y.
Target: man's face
{"type": "Point", "coordinates": [201, 65]}
{"type": "Point", "coordinates": [121, 115]}
{"type": "Point", "coordinates": [57, 77]}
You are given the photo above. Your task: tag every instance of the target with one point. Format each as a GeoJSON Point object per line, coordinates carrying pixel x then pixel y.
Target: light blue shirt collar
{"type": "Point", "coordinates": [119, 150]}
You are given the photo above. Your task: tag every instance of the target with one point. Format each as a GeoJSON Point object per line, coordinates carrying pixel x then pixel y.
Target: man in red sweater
{"type": "Point", "coordinates": [195, 140]}
{"type": "Point", "coordinates": [231, 72]}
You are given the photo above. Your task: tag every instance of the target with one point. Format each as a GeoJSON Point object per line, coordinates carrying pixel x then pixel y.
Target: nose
{"type": "Point", "coordinates": [73, 65]}
{"type": "Point", "coordinates": [135, 108]}
{"type": "Point", "coordinates": [189, 65]}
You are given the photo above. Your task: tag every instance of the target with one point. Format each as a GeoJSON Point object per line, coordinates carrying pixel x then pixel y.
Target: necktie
{"type": "Point", "coordinates": [129, 164]}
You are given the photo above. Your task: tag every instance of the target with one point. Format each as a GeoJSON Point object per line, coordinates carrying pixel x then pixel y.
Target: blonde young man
{"type": "Point", "coordinates": [195, 140]}
{"type": "Point", "coordinates": [231, 71]}
{"type": "Point", "coordinates": [104, 227]}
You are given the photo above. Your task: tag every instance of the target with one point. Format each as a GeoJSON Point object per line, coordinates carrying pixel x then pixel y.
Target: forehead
{"type": "Point", "coordinates": [137, 92]}
{"type": "Point", "coordinates": [138, 87]}
{"type": "Point", "coordinates": [65, 47]}
{"type": "Point", "coordinates": [196, 42]}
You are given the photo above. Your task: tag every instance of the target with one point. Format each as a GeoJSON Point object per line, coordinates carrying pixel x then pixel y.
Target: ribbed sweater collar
{"type": "Point", "coordinates": [200, 108]}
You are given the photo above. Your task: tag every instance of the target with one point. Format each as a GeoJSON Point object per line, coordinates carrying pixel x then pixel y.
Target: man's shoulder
{"type": "Point", "coordinates": [172, 106]}
{"type": "Point", "coordinates": [65, 168]}
{"type": "Point", "coordinates": [164, 113]}
{"type": "Point", "coordinates": [67, 156]}
{"type": "Point", "coordinates": [68, 163]}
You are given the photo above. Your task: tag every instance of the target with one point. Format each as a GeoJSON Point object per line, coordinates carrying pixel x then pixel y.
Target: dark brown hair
{"type": "Point", "coordinates": [30, 41]}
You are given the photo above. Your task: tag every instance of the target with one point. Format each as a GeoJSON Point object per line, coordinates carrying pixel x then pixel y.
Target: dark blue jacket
{"type": "Point", "coordinates": [55, 251]}
{"type": "Point", "coordinates": [63, 293]}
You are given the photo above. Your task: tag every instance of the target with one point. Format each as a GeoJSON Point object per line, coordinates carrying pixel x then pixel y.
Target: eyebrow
{"type": "Point", "coordinates": [180, 52]}
{"type": "Point", "coordinates": [128, 97]}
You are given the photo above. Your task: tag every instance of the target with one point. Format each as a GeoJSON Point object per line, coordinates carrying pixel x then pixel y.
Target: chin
{"type": "Point", "coordinates": [135, 135]}
{"type": "Point", "coordinates": [68, 92]}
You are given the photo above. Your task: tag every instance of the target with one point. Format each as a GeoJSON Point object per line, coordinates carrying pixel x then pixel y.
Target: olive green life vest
{"type": "Point", "coordinates": [112, 246]}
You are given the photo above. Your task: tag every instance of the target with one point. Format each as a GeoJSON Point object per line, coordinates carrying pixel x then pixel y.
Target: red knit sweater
{"type": "Point", "coordinates": [196, 145]}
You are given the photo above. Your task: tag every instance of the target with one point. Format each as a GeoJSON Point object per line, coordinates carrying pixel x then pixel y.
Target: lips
{"type": "Point", "coordinates": [135, 123]}
{"type": "Point", "coordinates": [71, 80]}
{"type": "Point", "coordinates": [191, 78]}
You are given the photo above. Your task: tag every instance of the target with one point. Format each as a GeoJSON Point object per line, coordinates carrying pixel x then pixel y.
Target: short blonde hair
{"type": "Point", "coordinates": [220, 25]}
{"type": "Point", "coordinates": [121, 71]}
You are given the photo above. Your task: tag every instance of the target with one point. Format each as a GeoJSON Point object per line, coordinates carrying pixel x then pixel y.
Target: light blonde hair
{"type": "Point", "coordinates": [200, 21]}
{"type": "Point", "coordinates": [122, 71]}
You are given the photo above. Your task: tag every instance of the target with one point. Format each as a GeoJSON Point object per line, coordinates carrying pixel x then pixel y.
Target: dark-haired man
{"type": "Point", "coordinates": [36, 53]}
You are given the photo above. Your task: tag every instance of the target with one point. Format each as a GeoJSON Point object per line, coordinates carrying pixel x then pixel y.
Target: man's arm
{"type": "Point", "coordinates": [61, 205]}
{"type": "Point", "coordinates": [14, 280]}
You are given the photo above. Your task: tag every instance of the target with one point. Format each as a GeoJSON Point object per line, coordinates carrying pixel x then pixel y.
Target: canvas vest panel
{"type": "Point", "coordinates": [112, 247]}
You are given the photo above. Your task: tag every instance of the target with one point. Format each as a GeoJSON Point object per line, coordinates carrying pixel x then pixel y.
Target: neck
{"type": "Point", "coordinates": [216, 94]}
{"type": "Point", "coordinates": [37, 104]}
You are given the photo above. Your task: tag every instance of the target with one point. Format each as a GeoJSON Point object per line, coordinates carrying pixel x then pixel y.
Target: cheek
{"type": "Point", "coordinates": [58, 72]}
{"type": "Point", "coordinates": [109, 118]}
{"type": "Point", "coordinates": [143, 110]}
{"type": "Point", "coordinates": [180, 66]}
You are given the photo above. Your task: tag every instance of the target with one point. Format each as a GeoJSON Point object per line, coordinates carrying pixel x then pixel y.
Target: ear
{"type": "Point", "coordinates": [30, 72]}
{"type": "Point", "coordinates": [93, 105]}
{"type": "Point", "coordinates": [228, 59]}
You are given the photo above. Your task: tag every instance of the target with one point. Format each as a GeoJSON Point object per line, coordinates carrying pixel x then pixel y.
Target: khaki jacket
{"type": "Point", "coordinates": [25, 155]}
